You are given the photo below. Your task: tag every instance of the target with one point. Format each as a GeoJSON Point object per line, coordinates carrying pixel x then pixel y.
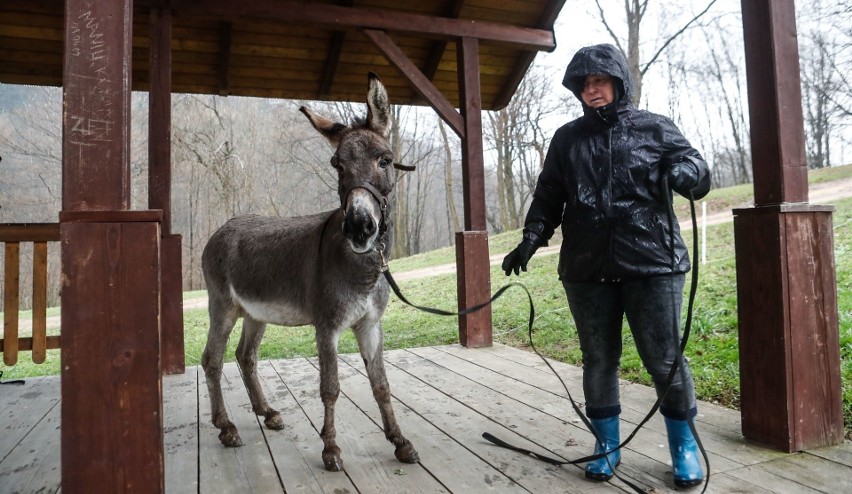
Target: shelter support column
{"type": "Point", "coordinates": [160, 189]}
{"type": "Point", "coordinates": [474, 267]}
{"type": "Point", "coordinates": [786, 286]}
{"type": "Point", "coordinates": [112, 424]}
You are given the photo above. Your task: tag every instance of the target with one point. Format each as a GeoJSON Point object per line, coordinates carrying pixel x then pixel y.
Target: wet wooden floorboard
{"type": "Point", "coordinates": [444, 397]}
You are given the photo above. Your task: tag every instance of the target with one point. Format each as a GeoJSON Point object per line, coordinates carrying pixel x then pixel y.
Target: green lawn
{"type": "Point", "coordinates": [713, 349]}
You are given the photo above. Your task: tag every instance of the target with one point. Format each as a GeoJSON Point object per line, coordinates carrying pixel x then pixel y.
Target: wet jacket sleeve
{"type": "Point", "coordinates": [545, 213]}
{"type": "Point", "coordinates": [676, 149]}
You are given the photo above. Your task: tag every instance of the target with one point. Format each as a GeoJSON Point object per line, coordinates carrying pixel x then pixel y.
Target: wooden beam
{"type": "Point", "coordinates": [547, 19]}
{"type": "Point", "coordinates": [294, 12]}
{"type": "Point", "coordinates": [112, 422]}
{"type": "Point", "coordinates": [160, 117]}
{"type": "Point", "coordinates": [474, 280]}
{"type": "Point", "coordinates": [775, 102]}
{"type": "Point", "coordinates": [473, 165]}
{"type": "Point", "coordinates": [96, 101]}
{"type": "Point", "coordinates": [160, 191]}
{"type": "Point", "coordinates": [436, 52]}
{"type": "Point", "coordinates": [423, 85]}
{"type": "Point", "coordinates": [786, 286]}
{"type": "Point", "coordinates": [335, 47]}
{"type": "Point", "coordinates": [225, 29]}
{"type": "Point", "coordinates": [29, 232]}
{"type": "Point", "coordinates": [26, 344]}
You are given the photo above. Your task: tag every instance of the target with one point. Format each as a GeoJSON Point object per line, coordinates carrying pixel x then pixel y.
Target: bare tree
{"type": "Point", "coordinates": [453, 224]}
{"type": "Point", "coordinates": [635, 11]}
{"type": "Point", "coordinates": [826, 92]}
{"type": "Point", "coordinates": [519, 140]}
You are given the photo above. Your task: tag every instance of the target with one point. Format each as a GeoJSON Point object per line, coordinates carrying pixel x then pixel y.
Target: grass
{"type": "Point", "coordinates": [713, 348]}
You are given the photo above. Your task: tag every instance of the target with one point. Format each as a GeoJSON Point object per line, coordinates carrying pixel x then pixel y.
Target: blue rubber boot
{"type": "Point", "coordinates": [607, 431]}
{"type": "Point", "coordinates": [686, 466]}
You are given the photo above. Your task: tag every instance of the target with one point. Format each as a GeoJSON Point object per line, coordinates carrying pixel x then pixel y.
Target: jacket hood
{"type": "Point", "coordinates": [599, 59]}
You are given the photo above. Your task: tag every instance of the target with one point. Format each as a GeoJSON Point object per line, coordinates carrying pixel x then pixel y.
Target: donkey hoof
{"type": "Point", "coordinates": [332, 460]}
{"type": "Point", "coordinates": [406, 453]}
{"type": "Point", "coordinates": [274, 421]}
{"type": "Point", "coordinates": [230, 437]}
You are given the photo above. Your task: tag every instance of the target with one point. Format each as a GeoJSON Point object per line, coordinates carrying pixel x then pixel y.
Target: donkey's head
{"type": "Point", "coordinates": [364, 163]}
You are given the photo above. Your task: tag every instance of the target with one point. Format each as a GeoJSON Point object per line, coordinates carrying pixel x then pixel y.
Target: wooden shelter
{"type": "Point", "coordinates": [121, 318]}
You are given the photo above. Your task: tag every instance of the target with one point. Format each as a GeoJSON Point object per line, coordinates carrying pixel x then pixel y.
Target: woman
{"type": "Point", "coordinates": [603, 180]}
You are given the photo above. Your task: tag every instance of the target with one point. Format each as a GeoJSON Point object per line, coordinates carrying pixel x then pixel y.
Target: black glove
{"type": "Point", "coordinates": [517, 259]}
{"type": "Point", "coordinates": [683, 177]}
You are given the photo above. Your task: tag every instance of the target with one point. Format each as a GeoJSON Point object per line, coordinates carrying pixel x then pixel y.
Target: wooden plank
{"type": "Point", "coordinates": [726, 445]}
{"type": "Point", "coordinates": [812, 471]}
{"type": "Point", "coordinates": [761, 475]}
{"type": "Point", "coordinates": [651, 442]}
{"type": "Point", "coordinates": [171, 305]}
{"type": "Point", "coordinates": [441, 454]}
{"type": "Point", "coordinates": [34, 464]}
{"type": "Point", "coordinates": [11, 297]}
{"type": "Point", "coordinates": [368, 458]}
{"type": "Point", "coordinates": [51, 342]}
{"type": "Point", "coordinates": [296, 449]}
{"type": "Point", "coordinates": [29, 232]}
{"type": "Point", "coordinates": [111, 358]}
{"type": "Point", "coordinates": [247, 468]}
{"type": "Point", "coordinates": [464, 410]}
{"type": "Point", "coordinates": [473, 283]}
{"type": "Point", "coordinates": [28, 404]}
{"type": "Point", "coordinates": [39, 320]}
{"type": "Point", "coordinates": [180, 431]}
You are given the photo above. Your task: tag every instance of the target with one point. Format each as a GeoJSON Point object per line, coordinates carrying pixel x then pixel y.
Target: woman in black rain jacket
{"type": "Point", "coordinates": [605, 181]}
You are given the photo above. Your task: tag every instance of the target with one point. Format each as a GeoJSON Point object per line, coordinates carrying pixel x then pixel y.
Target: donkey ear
{"type": "Point", "coordinates": [330, 130]}
{"type": "Point", "coordinates": [378, 107]}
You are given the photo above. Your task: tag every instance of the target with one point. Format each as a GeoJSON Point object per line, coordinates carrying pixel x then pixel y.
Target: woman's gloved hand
{"type": "Point", "coordinates": [519, 257]}
{"type": "Point", "coordinates": [683, 177]}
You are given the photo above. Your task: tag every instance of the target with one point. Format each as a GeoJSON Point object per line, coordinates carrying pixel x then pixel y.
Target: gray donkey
{"type": "Point", "coordinates": [323, 269]}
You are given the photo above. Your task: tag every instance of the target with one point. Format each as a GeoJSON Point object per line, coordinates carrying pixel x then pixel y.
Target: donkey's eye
{"type": "Point", "coordinates": [385, 162]}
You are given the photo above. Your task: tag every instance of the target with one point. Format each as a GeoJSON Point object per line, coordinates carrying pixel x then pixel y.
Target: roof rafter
{"type": "Point", "coordinates": [294, 12]}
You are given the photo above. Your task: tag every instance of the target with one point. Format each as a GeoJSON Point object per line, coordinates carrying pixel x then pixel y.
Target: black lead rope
{"type": "Point", "coordinates": [669, 379]}
{"type": "Point", "coordinates": [19, 382]}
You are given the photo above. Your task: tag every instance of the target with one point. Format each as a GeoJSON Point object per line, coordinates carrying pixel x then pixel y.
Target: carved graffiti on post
{"type": "Point", "coordinates": [97, 100]}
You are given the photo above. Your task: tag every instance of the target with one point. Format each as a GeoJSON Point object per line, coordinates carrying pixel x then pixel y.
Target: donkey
{"type": "Point", "coordinates": [323, 269]}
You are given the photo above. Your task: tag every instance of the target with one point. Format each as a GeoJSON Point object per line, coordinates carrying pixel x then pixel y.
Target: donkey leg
{"type": "Point", "coordinates": [370, 341]}
{"type": "Point", "coordinates": [247, 359]}
{"type": "Point", "coordinates": [329, 391]}
{"type": "Point", "coordinates": [222, 320]}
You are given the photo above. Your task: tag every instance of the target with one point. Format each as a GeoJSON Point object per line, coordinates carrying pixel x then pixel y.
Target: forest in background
{"type": "Point", "coordinates": [235, 155]}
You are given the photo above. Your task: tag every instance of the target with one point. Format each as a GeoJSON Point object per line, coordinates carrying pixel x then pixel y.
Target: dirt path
{"type": "Point", "coordinates": [824, 193]}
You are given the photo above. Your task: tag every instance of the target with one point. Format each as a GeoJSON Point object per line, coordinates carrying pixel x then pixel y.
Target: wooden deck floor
{"type": "Point", "coordinates": [445, 398]}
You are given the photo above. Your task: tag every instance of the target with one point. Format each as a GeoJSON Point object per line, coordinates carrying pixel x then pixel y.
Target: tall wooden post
{"type": "Point", "coordinates": [786, 287]}
{"type": "Point", "coordinates": [160, 189]}
{"type": "Point", "coordinates": [474, 268]}
{"type": "Point", "coordinates": [112, 428]}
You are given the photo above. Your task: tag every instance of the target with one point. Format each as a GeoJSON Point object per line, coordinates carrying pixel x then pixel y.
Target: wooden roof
{"type": "Point", "coordinates": [316, 50]}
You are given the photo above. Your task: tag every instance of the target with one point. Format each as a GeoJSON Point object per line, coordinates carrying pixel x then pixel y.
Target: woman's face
{"type": "Point", "coordinates": [598, 91]}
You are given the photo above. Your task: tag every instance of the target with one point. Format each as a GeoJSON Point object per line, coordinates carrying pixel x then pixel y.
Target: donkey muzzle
{"type": "Point", "coordinates": [360, 224]}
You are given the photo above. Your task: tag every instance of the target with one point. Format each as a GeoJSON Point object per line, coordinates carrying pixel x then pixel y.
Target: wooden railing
{"type": "Point", "coordinates": [12, 235]}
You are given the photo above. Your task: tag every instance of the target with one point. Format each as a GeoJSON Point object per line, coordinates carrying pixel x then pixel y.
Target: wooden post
{"type": "Point", "coordinates": [112, 424]}
{"type": "Point", "coordinates": [786, 287]}
{"type": "Point", "coordinates": [474, 270]}
{"type": "Point", "coordinates": [160, 189]}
